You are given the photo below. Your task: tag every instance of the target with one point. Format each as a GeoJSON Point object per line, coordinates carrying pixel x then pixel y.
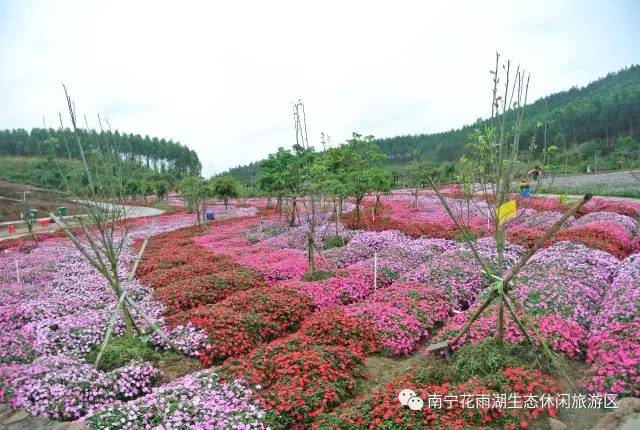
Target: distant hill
{"type": "Point", "coordinates": [580, 121]}
{"type": "Point", "coordinates": [156, 154]}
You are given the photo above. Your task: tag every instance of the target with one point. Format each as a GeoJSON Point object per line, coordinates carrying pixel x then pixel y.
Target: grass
{"type": "Point", "coordinates": [335, 241]}
{"type": "Point", "coordinates": [120, 351]}
{"type": "Point", "coordinates": [163, 206]}
{"type": "Point", "coordinates": [318, 275]}
{"type": "Point", "coordinates": [488, 357]}
{"type": "Point", "coordinates": [598, 190]}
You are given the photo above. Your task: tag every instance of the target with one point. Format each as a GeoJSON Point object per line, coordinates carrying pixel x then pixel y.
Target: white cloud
{"type": "Point", "coordinates": [220, 76]}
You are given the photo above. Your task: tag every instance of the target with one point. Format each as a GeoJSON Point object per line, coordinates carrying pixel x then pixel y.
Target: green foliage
{"type": "Point", "coordinates": [286, 173]}
{"type": "Point", "coordinates": [318, 275]}
{"type": "Point", "coordinates": [335, 241]}
{"type": "Point", "coordinates": [193, 190]}
{"type": "Point", "coordinates": [151, 153]}
{"type": "Point", "coordinates": [225, 187]}
{"type": "Point", "coordinates": [162, 188]}
{"type": "Point", "coordinates": [63, 174]}
{"type": "Point", "coordinates": [488, 357]}
{"type": "Point", "coordinates": [121, 349]}
{"type": "Point", "coordinates": [595, 114]}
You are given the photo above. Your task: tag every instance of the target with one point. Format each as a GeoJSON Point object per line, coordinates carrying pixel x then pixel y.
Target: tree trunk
{"type": "Point", "coordinates": [358, 201]}
{"type": "Point", "coordinates": [293, 212]}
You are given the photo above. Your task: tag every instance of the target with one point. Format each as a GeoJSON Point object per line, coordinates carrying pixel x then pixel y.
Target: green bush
{"type": "Point", "coordinates": [488, 357]}
{"type": "Point", "coordinates": [120, 350]}
{"type": "Point", "coordinates": [334, 241]}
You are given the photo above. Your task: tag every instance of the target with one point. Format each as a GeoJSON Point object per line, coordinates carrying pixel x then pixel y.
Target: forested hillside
{"type": "Point", "coordinates": [598, 124]}
{"type": "Point", "coordinates": [157, 154]}
{"type": "Point", "coordinates": [601, 111]}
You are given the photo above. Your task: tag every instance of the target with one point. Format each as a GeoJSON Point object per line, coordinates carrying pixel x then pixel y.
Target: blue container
{"type": "Point", "coordinates": [210, 216]}
{"type": "Point", "coordinates": [524, 192]}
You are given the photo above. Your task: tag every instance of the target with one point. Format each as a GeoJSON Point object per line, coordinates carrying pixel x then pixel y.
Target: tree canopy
{"type": "Point", "coordinates": [157, 154]}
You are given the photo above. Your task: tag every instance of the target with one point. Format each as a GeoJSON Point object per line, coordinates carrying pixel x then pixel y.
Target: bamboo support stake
{"type": "Point", "coordinates": [151, 323]}
{"type": "Point", "coordinates": [465, 233]}
{"type": "Point", "coordinates": [112, 321]}
{"type": "Point", "coordinates": [515, 269]}
{"type": "Point", "coordinates": [375, 271]}
{"type": "Point", "coordinates": [18, 272]}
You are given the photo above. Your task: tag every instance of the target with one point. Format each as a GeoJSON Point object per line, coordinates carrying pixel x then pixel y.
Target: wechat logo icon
{"type": "Point", "coordinates": [410, 398]}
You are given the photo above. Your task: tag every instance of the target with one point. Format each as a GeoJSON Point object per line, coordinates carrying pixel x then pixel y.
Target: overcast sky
{"type": "Point", "coordinates": [220, 76]}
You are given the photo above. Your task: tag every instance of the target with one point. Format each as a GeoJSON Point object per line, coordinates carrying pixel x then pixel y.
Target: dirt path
{"type": "Point", "coordinates": [21, 228]}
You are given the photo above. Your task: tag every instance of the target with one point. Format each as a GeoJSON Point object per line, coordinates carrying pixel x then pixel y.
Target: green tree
{"type": "Point", "coordinates": [225, 187]}
{"type": "Point", "coordinates": [195, 191]}
{"type": "Point", "coordinates": [162, 188]}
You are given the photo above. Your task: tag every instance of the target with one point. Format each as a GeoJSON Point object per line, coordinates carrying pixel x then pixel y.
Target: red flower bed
{"type": "Point", "coordinates": [525, 236]}
{"type": "Point", "coordinates": [542, 204]}
{"type": "Point", "coordinates": [270, 311]}
{"type": "Point", "coordinates": [297, 381]}
{"type": "Point", "coordinates": [245, 319]}
{"type": "Point", "coordinates": [604, 236]}
{"type": "Point", "coordinates": [205, 289]}
{"type": "Point", "coordinates": [383, 410]}
{"type": "Point", "coordinates": [622, 207]}
{"type": "Point", "coordinates": [442, 228]}
{"type": "Point", "coordinates": [187, 275]}
{"type": "Point", "coordinates": [601, 235]}
{"type": "Point", "coordinates": [337, 328]}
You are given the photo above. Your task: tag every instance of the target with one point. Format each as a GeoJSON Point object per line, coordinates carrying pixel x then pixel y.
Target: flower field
{"type": "Point", "coordinates": [282, 350]}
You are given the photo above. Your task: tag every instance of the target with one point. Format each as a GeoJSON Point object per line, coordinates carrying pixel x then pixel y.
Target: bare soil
{"type": "Point", "coordinates": [17, 199]}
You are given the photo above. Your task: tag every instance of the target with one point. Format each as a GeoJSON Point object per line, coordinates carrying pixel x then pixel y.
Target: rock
{"type": "Point", "coordinates": [632, 422]}
{"type": "Point", "coordinates": [5, 414]}
{"type": "Point", "coordinates": [556, 424]}
{"type": "Point", "coordinates": [76, 426]}
{"type": "Point", "coordinates": [627, 406]}
{"type": "Point", "coordinates": [608, 422]}
{"type": "Point", "coordinates": [18, 416]}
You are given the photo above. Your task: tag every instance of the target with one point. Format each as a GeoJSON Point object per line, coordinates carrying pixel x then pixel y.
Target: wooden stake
{"type": "Point", "coordinates": [375, 271]}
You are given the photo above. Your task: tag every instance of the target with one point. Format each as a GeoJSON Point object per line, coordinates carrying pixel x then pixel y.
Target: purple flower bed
{"type": "Point", "coordinates": [55, 311]}
{"type": "Point", "coordinates": [622, 300]}
{"type": "Point", "coordinates": [629, 224]}
{"type": "Point", "coordinates": [197, 401]}
{"type": "Point", "coordinates": [566, 280]}
{"type": "Point", "coordinates": [63, 388]}
{"type": "Point", "coordinates": [339, 290]}
{"type": "Point", "coordinates": [429, 305]}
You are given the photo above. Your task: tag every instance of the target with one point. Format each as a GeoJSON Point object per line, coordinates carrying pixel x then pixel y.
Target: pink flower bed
{"type": "Point", "coordinates": [398, 331]}
{"type": "Point", "coordinates": [347, 287]}
{"type": "Point", "coordinates": [614, 356]}
{"type": "Point", "coordinates": [66, 389]}
{"type": "Point", "coordinates": [428, 304]}
{"type": "Point", "coordinates": [563, 335]}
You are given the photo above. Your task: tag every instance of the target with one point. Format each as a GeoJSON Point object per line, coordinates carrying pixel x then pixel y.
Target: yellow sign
{"type": "Point", "coordinates": [507, 211]}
